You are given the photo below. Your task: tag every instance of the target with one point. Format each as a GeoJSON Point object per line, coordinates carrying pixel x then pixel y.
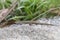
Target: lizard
{"type": "Point", "coordinates": [7, 11]}
{"type": "Point", "coordinates": [9, 22]}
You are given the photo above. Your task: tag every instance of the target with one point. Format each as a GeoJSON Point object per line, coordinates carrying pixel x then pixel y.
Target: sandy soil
{"type": "Point", "coordinates": [32, 32]}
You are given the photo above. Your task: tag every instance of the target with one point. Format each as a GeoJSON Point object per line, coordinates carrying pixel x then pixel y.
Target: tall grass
{"type": "Point", "coordinates": [30, 9]}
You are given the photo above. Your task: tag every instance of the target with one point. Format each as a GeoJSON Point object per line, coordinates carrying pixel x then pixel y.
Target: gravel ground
{"type": "Point", "coordinates": [32, 32]}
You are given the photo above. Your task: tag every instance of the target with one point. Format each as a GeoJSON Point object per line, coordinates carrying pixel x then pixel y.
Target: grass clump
{"type": "Point", "coordinates": [30, 9]}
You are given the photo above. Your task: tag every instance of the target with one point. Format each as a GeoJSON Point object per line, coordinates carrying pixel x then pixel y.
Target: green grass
{"type": "Point", "coordinates": [30, 9]}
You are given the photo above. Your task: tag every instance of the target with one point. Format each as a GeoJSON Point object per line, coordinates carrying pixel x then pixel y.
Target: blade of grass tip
{"type": "Point", "coordinates": [41, 5]}
{"type": "Point", "coordinates": [42, 14]}
{"type": "Point", "coordinates": [28, 17]}
{"type": "Point", "coordinates": [2, 3]}
{"type": "Point", "coordinates": [28, 11]}
{"type": "Point", "coordinates": [19, 8]}
{"type": "Point", "coordinates": [36, 13]}
{"type": "Point", "coordinates": [31, 5]}
{"type": "Point", "coordinates": [17, 17]}
{"type": "Point", "coordinates": [29, 14]}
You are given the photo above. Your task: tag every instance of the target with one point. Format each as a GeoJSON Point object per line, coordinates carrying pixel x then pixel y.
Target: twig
{"type": "Point", "coordinates": [25, 22]}
{"type": "Point", "coordinates": [52, 9]}
{"type": "Point", "coordinates": [5, 12]}
{"type": "Point", "coordinates": [32, 22]}
{"type": "Point", "coordinates": [9, 22]}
